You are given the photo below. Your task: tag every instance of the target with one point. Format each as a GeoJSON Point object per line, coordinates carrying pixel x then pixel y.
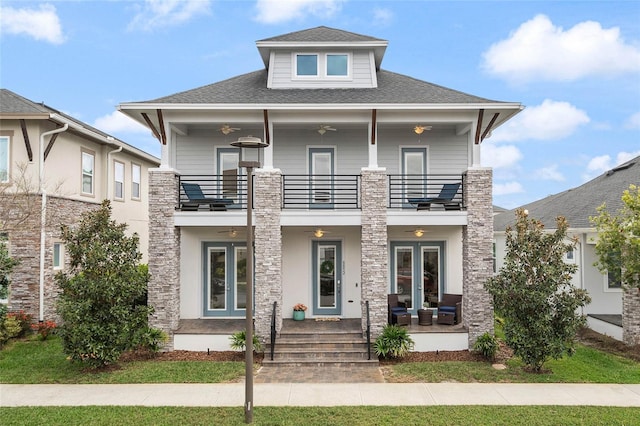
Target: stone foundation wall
{"type": "Point", "coordinates": [374, 260]}
{"type": "Point", "coordinates": [20, 215]}
{"type": "Point", "coordinates": [164, 253]}
{"type": "Point", "coordinates": [268, 250]}
{"type": "Point", "coordinates": [477, 253]}
{"type": "Point", "coordinates": [631, 316]}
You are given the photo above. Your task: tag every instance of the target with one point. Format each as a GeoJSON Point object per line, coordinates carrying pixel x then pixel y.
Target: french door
{"type": "Point", "coordinates": [327, 277]}
{"type": "Point", "coordinates": [417, 273]}
{"type": "Point", "coordinates": [225, 279]}
{"type": "Point", "coordinates": [414, 169]}
{"type": "Point", "coordinates": [321, 171]}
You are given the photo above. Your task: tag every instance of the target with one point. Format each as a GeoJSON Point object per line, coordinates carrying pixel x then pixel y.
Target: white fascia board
{"type": "Point", "coordinates": [210, 219]}
{"type": "Point", "coordinates": [422, 218]}
{"type": "Point", "coordinates": [321, 218]}
{"type": "Point", "coordinates": [301, 106]}
{"type": "Point", "coordinates": [318, 44]}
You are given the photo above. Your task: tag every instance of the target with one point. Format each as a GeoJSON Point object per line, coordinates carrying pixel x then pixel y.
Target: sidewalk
{"type": "Point", "coordinates": [322, 394]}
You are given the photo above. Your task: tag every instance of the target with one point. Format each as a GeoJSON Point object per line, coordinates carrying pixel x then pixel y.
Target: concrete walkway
{"type": "Point", "coordinates": [322, 394]}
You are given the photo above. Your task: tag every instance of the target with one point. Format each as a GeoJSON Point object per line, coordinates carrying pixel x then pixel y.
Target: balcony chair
{"type": "Point", "coordinates": [196, 198]}
{"type": "Point", "coordinates": [446, 196]}
{"type": "Point", "coordinates": [397, 311]}
{"type": "Point", "coordinates": [450, 309]}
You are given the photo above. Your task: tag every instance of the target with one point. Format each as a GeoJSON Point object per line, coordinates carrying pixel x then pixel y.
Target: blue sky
{"type": "Point", "coordinates": [574, 65]}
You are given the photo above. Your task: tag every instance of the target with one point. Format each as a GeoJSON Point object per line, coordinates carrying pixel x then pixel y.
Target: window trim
{"type": "Point", "coordinates": [117, 163]}
{"type": "Point", "coordinates": [133, 181]}
{"type": "Point", "coordinates": [322, 62]}
{"type": "Point", "coordinates": [60, 264]}
{"type": "Point", "coordinates": [346, 76]}
{"type": "Point", "coordinates": [305, 76]}
{"type": "Point", "coordinates": [84, 151]}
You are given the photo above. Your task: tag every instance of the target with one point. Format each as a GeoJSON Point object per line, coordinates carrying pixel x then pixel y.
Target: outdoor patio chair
{"type": "Point", "coordinates": [196, 198]}
{"type": "Point", "coordinates": [446, 196]}
{"type": "Point", "coordinates": [450, 309]}
{"type": "Point", "coordinates": [397, 311]}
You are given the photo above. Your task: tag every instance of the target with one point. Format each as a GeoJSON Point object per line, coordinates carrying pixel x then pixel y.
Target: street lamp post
{"type": "Point", "coordinates": [249, 142]}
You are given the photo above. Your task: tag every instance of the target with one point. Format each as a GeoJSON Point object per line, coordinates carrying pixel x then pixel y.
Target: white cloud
{"type": "Point", "coordinates": [552, 120]}
{"type": "Point", "coordinates": [507, 188]}
{"type": "Point", "coordinates": [550, 173]}
{"type": "Point", "coordinates": [278, 11]}
{"type": "Point", "coordinates": [382, 16]}
{"type": "Point", "coordinates": [117, 122]}
{"type": "Point", "coordinates": [633, 122]}
{"type": "Point", "coordinates": [163, 13]}
{"type": "Point", "coordinates": [539, 50]}
{"type": "Point", "coordinates": [41, 24]}
{"type": "Point", "coordinates": [505, 156]}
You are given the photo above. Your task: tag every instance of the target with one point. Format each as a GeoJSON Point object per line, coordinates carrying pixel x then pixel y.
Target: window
{"type": "Point", "coordinates": [58, 256]}
{"type": "Point", "coordinates": [338, 65]}
{"type": "Point", "coordinates": [118, 184]}
{"type": "Point", "coordinates": [135, 181]}
{"type": "Point", "coordinates": [4, 159]}
{"type": "Point", "coordinates": [614, 279]}
{"type": "Point", "coordinates": [88, 161]}
{"type": "Point", "coordinates": [307, 65]}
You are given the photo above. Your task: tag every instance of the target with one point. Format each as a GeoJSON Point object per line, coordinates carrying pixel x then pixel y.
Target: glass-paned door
{"type": "Point", "coordinates": [414, 169]}
{"type": "Point", "coordinates": [327, 277]}
{"type": "Point", "coordinates": [417, 273]}
{"type": "Point", "coordinates": [321, 170]}
{"type": "Point", "coordinates": [430, 276]}
{"type": "Point", "coordinates": [228, 173]}
{"type": "Point", "coordinates": [403, 274]}
{"type": "Point", "coordinates": [225, 279]}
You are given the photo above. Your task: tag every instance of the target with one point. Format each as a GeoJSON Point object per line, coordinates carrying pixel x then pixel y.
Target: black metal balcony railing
{"type": "Point", "coordinates": [320, 191]}
{"type": "Point", "coordinates": [403, 188]}
{"type": "Point", "coordinates": [211, 192]}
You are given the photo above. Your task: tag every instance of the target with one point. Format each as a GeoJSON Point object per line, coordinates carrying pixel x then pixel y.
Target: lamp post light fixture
{"type": "Point", "coordinates": [249, 142]}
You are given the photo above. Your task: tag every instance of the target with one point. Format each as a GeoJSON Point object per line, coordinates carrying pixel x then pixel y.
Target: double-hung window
{"type": "Point", "coordinates": [58, 256]}
{"type": "Point", "coordinates": [88, 170]}
{"type": "Point", "coordinates": [135, 181]}
{"type": "Point", "coordinates": [118, 184]}
{"type": "Point", "coordinates": [4, 159]}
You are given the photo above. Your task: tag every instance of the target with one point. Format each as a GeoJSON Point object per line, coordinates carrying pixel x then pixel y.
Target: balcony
{"type": "Point", "coordinates": [212, 192]}
{"type": "Point", "coordinates": [426, 192]}
{"type": "Point", "coordinates": [321, 192]}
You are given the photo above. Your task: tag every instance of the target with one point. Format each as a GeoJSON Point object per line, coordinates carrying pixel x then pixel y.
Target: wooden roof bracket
{"type": "Point", "coordinates": [374, 125]}
{"type": "Point", "coordinates": [151, 126]}
{"type": "Point", "coordinates": [50, 144]}
{"type": "Point", "coordinates": [490, 126]}
{"type": "Point", "coordinates": [25, 136]}
{"type": "Point", "coordinates": [479, 126]}
{"type": "Point", "coordinates": [163, 140]}
{"type": "Point", "coordinates": [267, 136]}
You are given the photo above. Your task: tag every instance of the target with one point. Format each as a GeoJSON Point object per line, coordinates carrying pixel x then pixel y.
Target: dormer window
{"type": "Point", "coordinates": [329, 65]}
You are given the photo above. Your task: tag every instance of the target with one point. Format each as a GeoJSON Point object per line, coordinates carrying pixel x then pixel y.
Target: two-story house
{"type": "Point", "coordinates": [341, 201]}
{"type": "Point", "coordinates": [53, 168]}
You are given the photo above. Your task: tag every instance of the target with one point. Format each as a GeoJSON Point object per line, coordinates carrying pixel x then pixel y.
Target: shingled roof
{"type": "Point", "coordinates": [322, 34]}
{"type": "Point", "coordinates": [12, 103]}
{"type": "Point", "coordinates": [579, 203]}
{"type": "Point", "coordinates": [252, 88]}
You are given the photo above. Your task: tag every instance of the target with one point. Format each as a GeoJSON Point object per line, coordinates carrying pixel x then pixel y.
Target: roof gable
{"type": "Point", "coordinates": [321, 34]}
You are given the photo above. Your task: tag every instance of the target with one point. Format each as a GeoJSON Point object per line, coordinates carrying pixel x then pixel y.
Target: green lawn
{"type": "Point", "coordinates": [322, 416]}
{"type": "Point", "coordinates": [32, 361]}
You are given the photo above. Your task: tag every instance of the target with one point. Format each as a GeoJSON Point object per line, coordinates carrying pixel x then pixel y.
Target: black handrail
{"type": "Point", "coordinates": [368, 331]}
{"type": "Point", "coordinates": [320, 191]}
{"type": "Point", "coordinates": [405, 187]}
{"type": "Point", "coordinates": [273, 329]}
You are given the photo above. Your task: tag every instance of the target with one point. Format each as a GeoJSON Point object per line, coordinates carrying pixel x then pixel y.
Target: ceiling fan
{"type": "Point", "coordinates": [319, 232]}
{"type": "Point", "coordinates": [232, 232]}
{"type": "Point", "coordinates": [418, 232]}
{"type": "Point", "coordinates": [322, 129]}
{"type": "Point", "coordinates": [226, 129]}
{"type": "Point", "coordinates": [420, 128]}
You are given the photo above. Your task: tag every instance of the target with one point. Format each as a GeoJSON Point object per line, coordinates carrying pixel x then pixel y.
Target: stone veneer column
{"type": "Point", "coordinates": [374, 257]}
{"type": "Point", "coordinates": [164, 253]}
{"type": "Point", "coordinates": [268, 250]}
{"type": "Point", "coordinates": [477, 239]}
{"type": "Point", "coordinates": [631, 316]}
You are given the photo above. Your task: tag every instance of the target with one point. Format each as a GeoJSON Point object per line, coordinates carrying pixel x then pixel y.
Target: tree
{"type": "Point", "coordinates": [101, 318]}
{"type": "Point", "coordinates": [6, 266]}
{"type": "Point", "coordinates": [618, 246]}
{"type": "Point", "coordinates": [533, 292]}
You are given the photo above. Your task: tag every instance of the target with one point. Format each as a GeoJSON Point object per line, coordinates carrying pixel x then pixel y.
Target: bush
{"type": "Point", "coordinates": [12, 327]}
{"type": "Point", "coordinates": [394, 342]}
{"type": "Point", "coordinates": [101, 297]}
{"type": "Point", "coordinates": [20, 323]}
{"type": "Point", "coordinates": [238, 341]}
{"type": "Point", "coordinates": [151, 339]}
{"type": "Point", "coordinates": [44, 329]}
{"type": "Point", "coordinates": [487, 346]}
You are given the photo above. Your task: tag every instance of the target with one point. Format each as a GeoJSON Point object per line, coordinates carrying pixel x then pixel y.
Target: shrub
{"type": "Point", "coordinates": [44, 329]}
{"type": "Point", "coordinates": [12, 327]}
{"type": "Point", "coordinates": [238, 341]}
{"type": "Point", "coordinates": [22, 321]}
{"type": "Point", "coordinates": [151, 339]}
{"type": "Point", "coordinates": [487, 346]}
{"type": "Point", "coordinates": [394, 342]}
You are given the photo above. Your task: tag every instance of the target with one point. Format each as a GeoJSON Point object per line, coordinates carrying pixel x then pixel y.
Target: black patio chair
{"type": "Point", "coordinates": [196, 198]}
{"type": "Point", "coordinates": [446, 196]}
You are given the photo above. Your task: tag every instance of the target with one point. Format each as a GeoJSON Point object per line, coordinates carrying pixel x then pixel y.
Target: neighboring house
{"type": "Point", "coordinates": [76, 167]}
{"type": "Point", "coordinates": [577, 205]}
{"type": "Point", "coordinates": [339, 223]}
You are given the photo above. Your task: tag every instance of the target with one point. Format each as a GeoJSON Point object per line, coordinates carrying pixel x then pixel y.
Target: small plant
{"type": "Point", "coordinates": [299, 307]}
{"type": "Point", "coordinates": [44, 329]}
{"type": "Point", "coordinates": [394, 342]}
{"type": "Point", "coordinates": [238, 341]}
{"type": "Point", "coordinates": [23, 321]}
{"type": "Point", "coordinates": [11, 327]}
{"type": "Point", "coordinates": [151, 339]}
{"type": "Point", "coordinates": [487, 346]}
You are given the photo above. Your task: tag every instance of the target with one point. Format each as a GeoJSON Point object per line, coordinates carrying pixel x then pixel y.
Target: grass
{"type": "Point", "coordinates": [324, 416]}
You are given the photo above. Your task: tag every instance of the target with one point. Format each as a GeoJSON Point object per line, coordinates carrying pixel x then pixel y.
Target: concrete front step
{"type": "Point", "coordinates": [320, 363]}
